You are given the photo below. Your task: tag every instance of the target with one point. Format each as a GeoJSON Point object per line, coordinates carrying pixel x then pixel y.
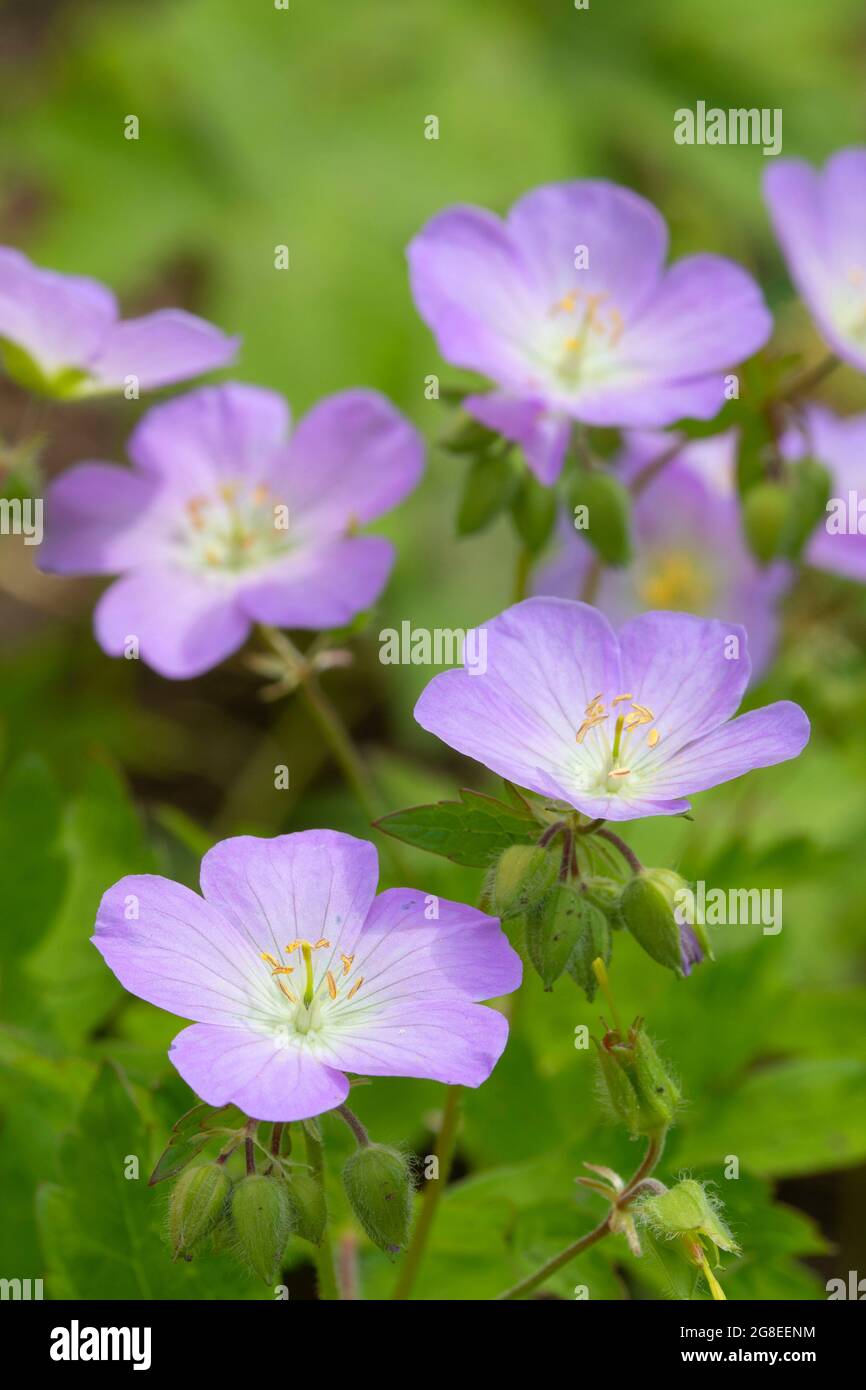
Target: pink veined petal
{"type": "Point", "coordinates": [624, 235]}
{"type": "Point", "coordinates": [547, 660]}
{"type": "Point", "coordinates": [622, 805]}
{"type": "Point", "coordinates": [542, 435]}
{"type": "Point", "coordinates": [311, 885]}
{"type": "Point", "coordinates": [98, 520]}
{"type": "Point", "coordinates": [184, 624]}
{"type": "Point", "coordinates": [320, 585]}
{"type": "Point", "coordinates": [265, 1078]}
{"type": "Point", "coordinates": [474, 291]}
{"type": "Point", "coordinates": [170, 947]}
{"type": "Point", "coordinates": [351, 458]}
{"type": "Point", "coordinates": [214, 435]}
{"type": "Point", "coordinates": [166, 346]}
{"type": "Point", "coordinates": [405, 956]}
{"type": "Point", "coordinates": [60, 320]}
{"type": "Point", "coordinates": [640, 400]}
{"type": "Point", "coordinates": [843, 203]}
{"type": "Point", "coordinates": [453, 1041]}
{"type": "Point", "coordinates": [761, 738]}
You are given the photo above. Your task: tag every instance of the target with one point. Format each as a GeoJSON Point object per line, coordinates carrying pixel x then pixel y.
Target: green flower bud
{"type": "Point", "coordinates": [811, 489]}
{"type": "Point", "coordinates": [307, 1209]}
{"type": "Point", "coordinates": [523, 873]}
{"type": "Point", "coordinates": [648, 905]}
{"type": "Point", "coordinates": [686, 1210]}
{"type": "Point", "coordinates": [534, 511]}
{"type": "Point", "coordinates": [634, 1082]}
{"type": "Point", "coordinates": [606, 895]}
{"type": "Point", "coordinates": [553, 930]}
{"type": "Point", "coordinates": [379, 1190]}
{"type": "Point", "coordinates": [766, 512]}
{"type": "Point", "coordinates": [261, 1216]}
{"type": "Point", "coordinates": [608, 514]}
{"type": "Point", "coordinates": [197, 1204]}
{"type": "Point", "coordinates": [592, 944]}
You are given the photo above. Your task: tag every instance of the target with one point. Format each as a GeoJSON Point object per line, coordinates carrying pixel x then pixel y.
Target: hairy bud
{"type": "Point", "coordinates": [650, 910]}
{"type": "Point", "coordinates": [379, 1190]}
{"type": "Point", "coordinates": [197, 1204]}
{"type": "Point", "coordinates": [307, 1210]}
{"type": "Point", "coordinates": [634, 1082]}
{"type": "Point", "coordinates": [261, 1217]}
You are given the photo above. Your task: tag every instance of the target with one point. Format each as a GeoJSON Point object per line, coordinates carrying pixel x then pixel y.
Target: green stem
{"type": "Point", "coordinates": [445, 1145]}
{"type": "Point", "coordinates": [655, 1146]}
{"type": "Point", "coordinates": [351, 1119]}
{"type": "Point", "coordinates": [522, 573]}
{"type": "Point", "coordinates": [325, 1269]}
{"type": "Point", "coordinates": [811, 378]}
{"type": "Point", "coordinates": [625, 850]}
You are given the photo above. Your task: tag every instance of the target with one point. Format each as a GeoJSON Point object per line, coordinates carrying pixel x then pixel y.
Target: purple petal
{"type": "Point", "coordinates": [320, 586]}
{"type": "Point", "coordinates": [351, 458]}
{"type": "Point", "coordinates": [648, 401]}
{"type": "Point", "coordinates": [184, 624]}
{"type": "Point", "coordinates": [461, 954]}
{"type": "Point", "coordinates": [542, 435]}
{"type": "Point", "coordinates": [456, 1042]}
{"type": "Point", "coordinates": [707, 314]}
{"type": "Point", "coordinates": [625, 236]}
{"type": "Point", "coordinates": [60, 320]}
{"type": "Point", "coordinates": [844, 208]}
{"type": "Point", "coordinates": [314, 884]}
{"type": "Point", "coordinates": [546, 661]}
{"type": "Point", "coordinates": [675, 665]}
{"type": "Point", "coordinates": [161, 348]}
{"type": "Point", "coordinates": [212, 435]}
{"type": "Point", "coordinates": [691, 951]}
{"type": "Point", "coordinates": [793, 193]}
{"type": "Point", "coordinates": [760, 738]}
{"type": "Point", "coordinates": [840, 444]}
{"type": "Point", "coordinates": [265, 1078]}
{"type": "Point", "coordinates": [97, 520]}
{"type": "Point", "coordinates": [474, 291]}
{"type": "Point", "coordinates": [168, 946]}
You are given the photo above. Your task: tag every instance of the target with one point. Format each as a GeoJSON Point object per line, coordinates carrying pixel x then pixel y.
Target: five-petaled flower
{"type": "Point", "coordinates": [568, 308]}
{"type": "Point", "coordinates": [616, 726]}
{"type": "Point", "coordinates": [838, 544]}
{"type": "Point", "coordinates": [690, 553]}
{"type": "Point", "coordinates": [225, 521]}
{"type": "Point", "coordinates": [295, 972]}
{"type": "Point", "coordinates": [60, 335]}
{"type": "Point", "coordinates": [818, 218]}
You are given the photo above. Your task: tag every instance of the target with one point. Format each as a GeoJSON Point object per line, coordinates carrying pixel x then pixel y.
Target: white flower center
{"type": "Point", "coordinates": [310, 999]}
{"type": "Point", "coordinates": [579, 337]}
{"type": "Point", "coordinates": [609, 765]}
{"type": "Point", "coordinates": [239, 527]}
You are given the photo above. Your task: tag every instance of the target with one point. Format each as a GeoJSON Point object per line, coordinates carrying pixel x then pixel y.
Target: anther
{"type": "Point", "coordinates": [355, 987]}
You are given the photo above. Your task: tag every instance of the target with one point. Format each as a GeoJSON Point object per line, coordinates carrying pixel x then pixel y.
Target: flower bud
{"type": "Point", "coordinates": [554, 929]}
{"type": "Point", "coordinates": [197, 1204]}
{"type": "Point", "coordinates": [635, 1083]}
{"type": "Point", "coordinates": [522, 874]}
{"type": "Point", "coordinates": [766, 512]}
{"type": "Point", "coordinates": [608, 513]}
{"type": "Point", "coordinates": [592, 944]}
{"type": "Point", "coordinates": [686, 1210]}
{"type": "Point", "coordinates": [261, 1216]}
{"type": "Point", "coordinates": [651, 907]}
{"type": "Point", "coordinates": [606, 895]}
{"type": "Point", "coordinates": [379, 1190]}
{"type": "Point", "coordinates": [307, 1210]}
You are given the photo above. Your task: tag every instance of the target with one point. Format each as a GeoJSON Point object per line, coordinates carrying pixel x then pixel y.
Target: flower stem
{"type": "Point", "coordinates": [354, 1124]}
{"type": "Point", "coordinates": [651, 470]}
{"type": "Point", "coordinates": [628, 854]}
{"type": "Point", "coordinates": [445, 1145]}
{"type": "Point", "coordinates": [655, 1145]}
{"type": "Point", "coordinates": [522, 572]}
{"type": "Point", "coordinates": [811, 378]}
{"type": "Point", "coordinates": [325, 1270]}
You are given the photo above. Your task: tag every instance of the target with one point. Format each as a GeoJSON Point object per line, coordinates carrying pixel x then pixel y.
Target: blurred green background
{"type": "Point", "coordinates": [260, 127]}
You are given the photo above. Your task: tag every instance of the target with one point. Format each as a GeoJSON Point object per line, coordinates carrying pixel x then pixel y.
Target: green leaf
{"type": "Point", "coordinates": [607, 506]}
{"type": "Point", "coordinates": [472, 831]}
{"type": "Point", "coordinates": [533, 508]}
{"type": "Point", "coordinates": [191, 1133]}
{"type": "Point", "coordinates": [488, 490]}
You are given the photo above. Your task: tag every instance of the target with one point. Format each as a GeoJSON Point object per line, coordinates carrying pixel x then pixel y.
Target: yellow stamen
{"type": "Point", "coordinates": [260, 494]}
{"type": "Point", "coordinates": [228, 491]}
{"type": "Point", "coordinates": [652, 738]}
{"type": "Point", "coordinates": [620, 772]}
{"type": "Point", "coordinates": [287, 992]}
{"type": "Point", "coordinates": [283, 970]}
{"type": "Point", "coordinates": [271, 960]}
{"type": "Point", "coordinates": [320, 943]}
{"type": "Point", "coordinates": [618, 699]}
{"type": "Point", "coordinates": [347, 963]}
{"type": "Point", "coordinates": [568, 301]}
{"type": "Point", "coordinates": [572, 345]}
{"type": "Point", "coordinates": [332, 984]}
{"type": "Point", "coordinates": [355, 987]}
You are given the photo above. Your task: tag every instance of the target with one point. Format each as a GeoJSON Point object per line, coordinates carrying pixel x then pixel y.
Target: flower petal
{"type": "Point", "coordinates": [212, 435]}
{"type": "Point", "coordinates": [166, 346]}
{"type": "Point", "coordinates": [60, 320]}
{"type": "Point", "coordinates": [405, 956]}
{"type": "Point", "coordinates": [184, 625]}
{"type": "Point", "coordinates": [314, 884]}
{"type": "Point", "coordinates": [541, 434]}
{"type": "Point", "coordinates": [547, 659]}
{"type": "Point", "coordinates": [351, 458]}
{"type": "Point", "coordinates": [761, 738]}
{"type": "Point", "coordinates": [320, 586]}
{"type": "Point", "coordinates": [170, 947]}
{"type": "Point", "coordinates": [792, 189]}
{"type": "Point", "coordinates": [456, 1042]}
{"type": "Point", "coordinates": [634, 399]}
{"type": "Point", "coordinates": [266, 1079]}
{"type": "Point", "coordinates": [97, 520]}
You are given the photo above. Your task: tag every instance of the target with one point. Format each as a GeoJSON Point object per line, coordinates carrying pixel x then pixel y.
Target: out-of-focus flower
{"type": "Point", "coordinates": [225, 521]}
{"type": "Point", "coordinates": [568, 308]}
{"type": "Point", "coordinates": [616, 726]}
{"type": "Point", "coordinates": [839, 443]}
{"type": "Point", "coordinates": [60, 335]}
{"type": "Point", "coordinates": [690, 554]}
{"type": "Point", "coordinates": [819, 219]}
{"type": "Point", "coordinates": [295, 972]}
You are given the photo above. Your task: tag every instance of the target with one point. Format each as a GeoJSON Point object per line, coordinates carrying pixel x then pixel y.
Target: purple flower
{"type": "Point", "coordinates": [224, 521]}
{"type": "Point", "coordinates": [819, 220]}
{"type": "Point", "coordinates": [617, 727]}
{"type": "Point", "coordinates": [568, 308]}
{"type": "Point", "coordinates": [61, 335]}
{"type": "Point", "coordinates": [690, 551]}
{"type": "Point", "coordinates": [839, 443]}
{"type": "Point", "coordinates": [295, 972]}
